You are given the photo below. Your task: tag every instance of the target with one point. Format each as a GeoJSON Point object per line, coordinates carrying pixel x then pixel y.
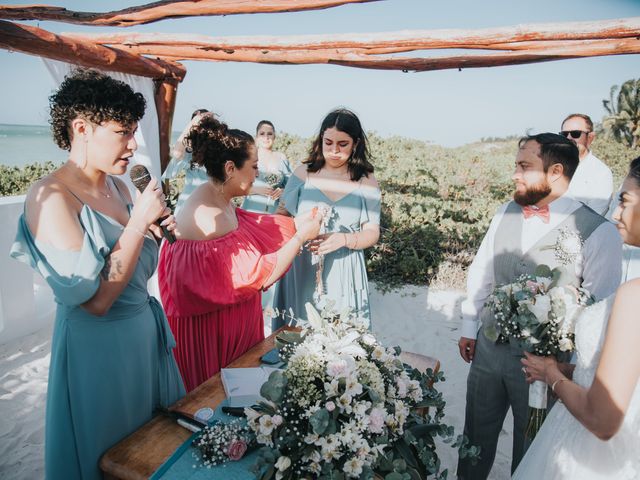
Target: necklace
{"type": "Point", "coordinates": [108, 194]}
{"type": "Point", "coordinates": [106, 184]}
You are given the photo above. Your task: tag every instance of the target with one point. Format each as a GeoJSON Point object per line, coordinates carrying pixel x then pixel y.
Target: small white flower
{"type": "Point", "coordinates": [330, 406]}
{"type": "Point", "coordinates": [353, 467]}
{"type": "Point", "coordinates": [565, 345]}
{"type": "Point", "coordinates": [283, 463]}
{"type": "Point", "coordinates": [266, 425]}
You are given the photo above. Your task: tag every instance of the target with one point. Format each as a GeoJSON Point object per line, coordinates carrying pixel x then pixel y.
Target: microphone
{"type": "Point", "coordinates": [140, 177]}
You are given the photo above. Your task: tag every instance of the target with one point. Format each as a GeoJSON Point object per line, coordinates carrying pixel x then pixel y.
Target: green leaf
{"type": "Point", "coordinates": [274, 388]}
{"type": "Point", "coordinates": [543, 271]}
{"type": "Point", "coordinates": [319, 421]}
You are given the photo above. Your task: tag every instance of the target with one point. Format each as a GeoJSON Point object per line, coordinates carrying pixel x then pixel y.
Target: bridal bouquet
{"type": "Point", "coordinates": [347, 407]}
{"type": "Point", "coordinates": [538, 312]}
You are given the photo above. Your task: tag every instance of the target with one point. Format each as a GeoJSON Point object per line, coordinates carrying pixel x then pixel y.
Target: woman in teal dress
{"type": "Point", "coordinates": [338, 178]}
{"type": "Point", "coordinates": [111, 353]}
{"type": "Point", "coordinates": [274, 171]}
{"type": "Point", "coordinates": [194, 176]}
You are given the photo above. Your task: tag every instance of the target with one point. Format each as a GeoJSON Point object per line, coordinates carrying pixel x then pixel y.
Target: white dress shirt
{"type": "Point", "coordinates": [599, 265]}
{"type": "Point", "coordinates": [592, 184]}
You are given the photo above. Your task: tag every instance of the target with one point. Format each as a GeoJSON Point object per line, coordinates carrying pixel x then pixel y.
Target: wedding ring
{"type": "Point", "coordinates": [524, 370]}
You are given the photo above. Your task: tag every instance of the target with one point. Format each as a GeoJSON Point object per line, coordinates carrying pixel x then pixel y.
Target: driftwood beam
{"type": "Point", "coordinates": [162, 10]}
{"type": "Point", "coordinates": [503, 37]}
{"type": "Point", "coordinates": [35, 41]}
{"type": "Point", "coordinates": [554, 51]}
{"type": "Point", "coordinates": [621, 47]}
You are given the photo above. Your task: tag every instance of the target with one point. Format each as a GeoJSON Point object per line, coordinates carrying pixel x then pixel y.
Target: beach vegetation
{"type": "Point", "coordinates": [437, 202]}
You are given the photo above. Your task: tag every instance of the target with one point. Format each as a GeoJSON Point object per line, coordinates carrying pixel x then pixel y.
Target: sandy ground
{"type": "Point", "coordinates": [416, 319]}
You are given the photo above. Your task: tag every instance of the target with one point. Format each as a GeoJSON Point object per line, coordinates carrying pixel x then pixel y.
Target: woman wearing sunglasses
{"type": "Point", "coordinates": [592, 183]}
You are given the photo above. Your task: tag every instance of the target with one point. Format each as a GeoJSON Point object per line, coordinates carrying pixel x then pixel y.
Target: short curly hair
{"type": "Point", "coordinates": [94, 96]}
{"type": "Point", "coordinates": [213, 143]}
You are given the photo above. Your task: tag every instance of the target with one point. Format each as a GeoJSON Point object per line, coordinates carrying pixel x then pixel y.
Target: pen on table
{"type": "Point", "coordinates": [184, 419]}
{"type": "Point", "coordinates": [189, 426]}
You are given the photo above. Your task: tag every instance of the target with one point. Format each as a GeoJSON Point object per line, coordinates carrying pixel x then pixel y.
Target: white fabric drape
{"type": "Point", "coordinates": [147, 136]}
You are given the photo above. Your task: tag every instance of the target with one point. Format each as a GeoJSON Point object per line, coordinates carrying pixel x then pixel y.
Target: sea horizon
{"type": "Point", "coordinates": [22, 144]}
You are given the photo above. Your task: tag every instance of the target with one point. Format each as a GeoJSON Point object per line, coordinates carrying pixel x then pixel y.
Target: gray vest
{"type": "Point", "coordinates": [509, 261]}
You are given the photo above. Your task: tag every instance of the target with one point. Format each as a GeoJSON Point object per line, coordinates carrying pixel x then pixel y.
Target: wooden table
{"type": "Point", "coordinates": [139, 455]}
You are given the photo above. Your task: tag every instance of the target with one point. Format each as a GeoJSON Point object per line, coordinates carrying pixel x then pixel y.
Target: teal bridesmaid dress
{"type": "Point", "coordinates": [194, 176]}
{"type": "Point", "coordinates": [109, 373]}
{"type": "Point", "coordinates": [262, 203]}
{"type": "Point", "coordinates": [344, 275]}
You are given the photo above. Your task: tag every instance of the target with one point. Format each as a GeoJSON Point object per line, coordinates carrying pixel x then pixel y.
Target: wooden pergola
{"type": "Point", "coordinates": [158, 56]}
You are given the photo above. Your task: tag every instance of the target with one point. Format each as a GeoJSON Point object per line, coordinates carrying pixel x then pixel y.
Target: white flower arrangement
{"type": "Point", "coordinates": [347, 407]}
{"type": "Point", "coordinates": [223, 442]}
{"type": "Point", "coordinates": [539, 313]}
{"type": "Point", "coordinates": [568, 246]}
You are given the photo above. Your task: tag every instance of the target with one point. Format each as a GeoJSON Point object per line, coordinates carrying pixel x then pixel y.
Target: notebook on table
{"type": "Point", "coordinates": [242, 385]}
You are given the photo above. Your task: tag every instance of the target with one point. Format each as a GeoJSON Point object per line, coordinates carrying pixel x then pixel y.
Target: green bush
{"type": "Point", "coordinates": [16, 180]}
{"type": "Point", "coordinates": [436, 202]}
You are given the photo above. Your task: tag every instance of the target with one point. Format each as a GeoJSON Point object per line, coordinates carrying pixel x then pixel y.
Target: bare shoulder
{"type": "Point", "coordinates": [52, 214]}
{"type": "Point", "coordinates": [301, 171]}
{"type": "Point", "coordinates": [370, 181]}
{"type": "Point", "coordinates": [626, 305]}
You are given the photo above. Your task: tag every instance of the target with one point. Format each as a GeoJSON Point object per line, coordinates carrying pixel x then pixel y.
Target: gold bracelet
{"type": "Point", "coordinates": [355, 244]}
{"type": "Point", "coordinates": [134, 229]}
{"type": "Point", "coordinates": [560, 380]}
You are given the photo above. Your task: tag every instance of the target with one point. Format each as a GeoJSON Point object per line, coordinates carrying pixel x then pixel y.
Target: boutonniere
{"type": "Point", "coordinates": [568, 246]}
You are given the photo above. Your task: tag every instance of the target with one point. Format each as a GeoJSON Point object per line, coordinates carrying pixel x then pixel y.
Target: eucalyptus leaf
{"type": "Point", "coordinates": [319, 421]}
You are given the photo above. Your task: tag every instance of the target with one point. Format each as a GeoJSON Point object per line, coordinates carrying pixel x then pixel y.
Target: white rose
{"type": "Point", "coordinates": [540, 308]}
{"type": "Point", "coordinates": [283, 463]}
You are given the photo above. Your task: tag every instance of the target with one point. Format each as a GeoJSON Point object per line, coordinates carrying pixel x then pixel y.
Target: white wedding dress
{"type": "Point", "coordinates": [563, 448]}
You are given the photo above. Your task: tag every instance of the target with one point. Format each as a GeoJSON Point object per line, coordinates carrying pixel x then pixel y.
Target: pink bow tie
{"type": "Point", "coordinates": [542, 212]}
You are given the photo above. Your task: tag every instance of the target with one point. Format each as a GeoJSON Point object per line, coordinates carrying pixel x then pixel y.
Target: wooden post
{"type": "Point", "coordinates": [165, 99]}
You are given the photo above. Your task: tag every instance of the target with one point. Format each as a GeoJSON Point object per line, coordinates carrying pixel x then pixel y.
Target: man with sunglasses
{"type": "Point", "coordinates": [592, 184]}
{"type": "Point", "coordinates": [525, 233]}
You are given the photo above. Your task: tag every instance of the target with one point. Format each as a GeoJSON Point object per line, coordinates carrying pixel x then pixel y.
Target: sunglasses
{"type": "Point", "coordinates": [575, 134]}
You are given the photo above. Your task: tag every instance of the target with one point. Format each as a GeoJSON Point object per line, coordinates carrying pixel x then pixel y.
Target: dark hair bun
{"type": "Point", "coordinates": [213, 143]}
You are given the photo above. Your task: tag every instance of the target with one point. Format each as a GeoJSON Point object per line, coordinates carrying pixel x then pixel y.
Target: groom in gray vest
{"type": "Point", "coordinates": [526, 232]}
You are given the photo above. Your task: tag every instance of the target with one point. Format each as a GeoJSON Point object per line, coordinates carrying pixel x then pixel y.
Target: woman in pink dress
{"type": "Point", "coordinates": [212, 277]}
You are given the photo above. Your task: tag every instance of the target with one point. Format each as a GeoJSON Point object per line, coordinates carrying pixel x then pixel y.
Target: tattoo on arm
{"type": "Point", "coordinates": [112, 269]}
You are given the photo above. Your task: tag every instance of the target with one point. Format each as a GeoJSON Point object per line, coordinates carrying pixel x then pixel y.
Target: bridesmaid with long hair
{"type": "Point", "coordinates": [337, 178]}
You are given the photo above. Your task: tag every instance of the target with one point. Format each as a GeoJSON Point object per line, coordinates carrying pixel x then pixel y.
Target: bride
{"type": "Point", "coordinates": [593, 432]}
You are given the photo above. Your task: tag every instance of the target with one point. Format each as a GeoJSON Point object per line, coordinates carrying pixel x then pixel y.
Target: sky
{"type": "Point", "coordinates": [447, 107]}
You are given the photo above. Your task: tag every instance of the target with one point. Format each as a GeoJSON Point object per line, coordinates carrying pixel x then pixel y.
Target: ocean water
{"type": "Point", "coordinates": [24, 144]}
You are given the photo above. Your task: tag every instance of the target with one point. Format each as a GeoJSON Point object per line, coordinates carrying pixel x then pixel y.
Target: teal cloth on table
{"type": "Point", "coordinates": [107, 373]}
{"type": "Point", "coordinates": [344, 275]}
{"type": "Point", "coordinates": [180, 466]}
